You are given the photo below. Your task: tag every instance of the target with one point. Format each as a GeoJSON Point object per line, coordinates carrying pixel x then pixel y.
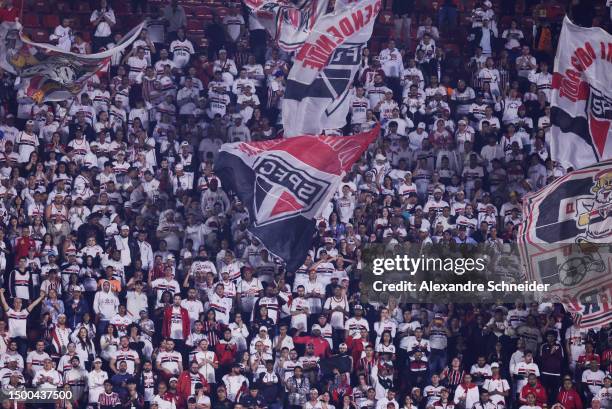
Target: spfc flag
{"type": "Point", "coordinates": [288, 23]}
{"type": "Point", "coordinates": [581, 101]}
{"type": "Point", "coordinates": [286, 183]}
{"type": "Point", "coordinates": [318, 86]}
{"type": "Point", "coordinates": [565, 241]}
{"type": "Point", "coordinates": [48, 73]}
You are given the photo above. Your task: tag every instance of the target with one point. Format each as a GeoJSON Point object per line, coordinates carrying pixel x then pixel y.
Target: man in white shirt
{"type": "Point", "coordinates": [104, 19]}
{"type": "Point", "coordinates": [234, 383]}
{"type": "Point", "coordinates": [62, 35]}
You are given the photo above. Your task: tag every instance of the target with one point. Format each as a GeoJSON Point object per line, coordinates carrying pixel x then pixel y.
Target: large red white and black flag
{"type": "Point", "coordinates": [565, 242]}
{"type": "Point", "coordinates": [286, 183]}
{"type": "Point", "coordinates": [581, 111]}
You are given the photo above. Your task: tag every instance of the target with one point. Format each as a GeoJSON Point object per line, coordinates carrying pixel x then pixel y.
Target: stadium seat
{"type": "Point", "coordinates": [122, 8]}
{"type": "Point", "coordinates": [505, 21]}
{"type": "Point", "coordinates": [202, 11]}
{"type": "Point", "coordinates": [31, 20]}
{"type": "Point", "coordinates": [63, 7]}
{"type": "Point", "coordinates": [40, 36]}
{"type": "Point", "coordinates": [41, 6]}
{"type": "Point", "coordinates": [189, 10]}
{"type": "Point", "coordinates": [195, 27]}
{"type": "Point", "coordinates": [50, 21]}
{"type": "Point", "coordinates": [84, 7]}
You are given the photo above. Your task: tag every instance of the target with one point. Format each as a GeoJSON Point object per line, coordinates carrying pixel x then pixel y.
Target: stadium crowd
{"type": "Point", "coordinates": [130, 277]}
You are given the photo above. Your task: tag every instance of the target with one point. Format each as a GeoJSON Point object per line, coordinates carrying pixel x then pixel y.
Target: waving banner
{"type": "Point", "coordinates": [565, 241]}
{"type": "Point", "coordinates": [9, 41]}
{"type": "Point", "coordinates": [49, 73]}
{"type": "Point", "coordinates": [581, 99]}
{"type": "Point", "coordinates": [288, 23]}
{"type": "Point", "coordinates": [318, 85]}
{"type": "Point", "coordinates": [285, 187]}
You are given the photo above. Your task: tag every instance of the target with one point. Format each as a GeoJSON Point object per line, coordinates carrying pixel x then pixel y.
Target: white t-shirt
{"type": "Point", "coordinates": [17, 322]}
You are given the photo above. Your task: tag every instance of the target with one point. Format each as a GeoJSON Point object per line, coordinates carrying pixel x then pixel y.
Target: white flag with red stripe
{"type": "Point", "coordinates": [581, 111]}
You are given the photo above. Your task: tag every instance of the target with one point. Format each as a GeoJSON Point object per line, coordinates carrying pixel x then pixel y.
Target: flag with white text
{"type": "Point", "coordinates": [581, 101]}
{"type": "Point", "coordinates": [318, 85]}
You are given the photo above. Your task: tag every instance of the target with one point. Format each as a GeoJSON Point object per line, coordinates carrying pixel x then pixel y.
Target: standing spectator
{"type": "Point", "coordinates": [62, 35]}
{"type": "Point", "coordinates": [175, 18]}
{"type": "Point", "coordinates": [103, 19]}
{"type": "Point", "coordinates": [393, 66]}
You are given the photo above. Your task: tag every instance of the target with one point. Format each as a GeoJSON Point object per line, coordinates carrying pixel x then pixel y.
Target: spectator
{"type": "Point", "coordinates": [103, 19]}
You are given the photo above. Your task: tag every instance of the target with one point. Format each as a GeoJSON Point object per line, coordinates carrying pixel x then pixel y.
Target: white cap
{"type": "Point", "coordinates": [421, 125]}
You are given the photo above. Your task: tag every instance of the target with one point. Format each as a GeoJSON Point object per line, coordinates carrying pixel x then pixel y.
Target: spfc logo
{"type": "Point", "coordinates": [282, 191]}
{"type": "Point", "coordinates": [600, 116]}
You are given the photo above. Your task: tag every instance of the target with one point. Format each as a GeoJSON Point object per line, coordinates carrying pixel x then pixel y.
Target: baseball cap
{"type": "Point", "coordinates": [421, 125]}
{"type": "Point", "coordinates": [494, 365]}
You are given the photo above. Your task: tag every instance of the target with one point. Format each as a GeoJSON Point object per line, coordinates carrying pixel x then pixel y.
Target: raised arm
{"type": "Point", "coordinates": [36, 301]}
{"type": "Point", "coordinates": [5, 305]}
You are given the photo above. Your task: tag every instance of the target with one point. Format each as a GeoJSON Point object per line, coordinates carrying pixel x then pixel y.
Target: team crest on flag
{"type": "Point", "coordinates": [565, 239]}
{"type": "Point", "coordinates": [286, 183]}
{"type": "Point", "coordinates": [581, 98]}
{"type": "Point", "coordinates": [49, 73]}
{"type": "Point", "coordinates": [599, 116]}
{"type": "Point", "coordinates": [283, 191]}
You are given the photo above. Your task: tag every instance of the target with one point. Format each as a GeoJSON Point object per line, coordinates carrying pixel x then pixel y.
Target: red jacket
{"type": "Point", "coordinates": [569, 399]}
{"type": "Point", "coordinates": [168, 321]}
{"type": "Point", "coordinates": [321, 346]}
{"type": "Point", "coordinates": [23, 246]}
{"type": "Point", "coordinates": [226, 352]}
{"type": "Point", "coordinates": [538, 391]}
{"type": "Point", "coordinates": [183, 387]}
{"type": "Point", "coordinates": [9, 15]}
{"type": "Point", "coordinates": [356, 346]}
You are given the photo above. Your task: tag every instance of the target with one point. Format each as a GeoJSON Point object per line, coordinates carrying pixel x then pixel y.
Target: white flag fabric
{"type": "Point", "coordinates": [565, 238]}
{"type": "Point", "coordinates": [49, 73]}
{"type": "Point", "coordinates": [289, 24]}
{"type": "Point", "coordinates": [318, 85]}
{"type": "Point", "coordinates": [581, 101]}
{"type": "Point", "coordinates": [9, 40]}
